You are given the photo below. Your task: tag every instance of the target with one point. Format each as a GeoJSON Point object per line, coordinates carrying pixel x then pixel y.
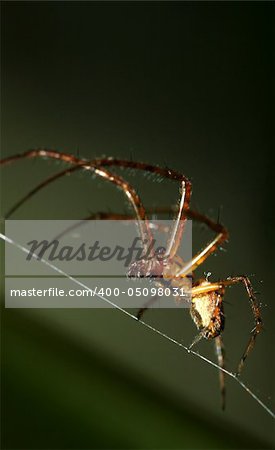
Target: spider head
{"type": "Point", "coordinates": [207, 311]}
{"type": "Point", "coordinates": [151, 267]}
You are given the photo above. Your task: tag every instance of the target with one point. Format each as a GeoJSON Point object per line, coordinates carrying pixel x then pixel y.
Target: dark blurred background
{"type": "Point", "coordinates": [187, 85]}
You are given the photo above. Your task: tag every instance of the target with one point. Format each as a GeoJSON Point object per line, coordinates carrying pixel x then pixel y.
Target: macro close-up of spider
{"type": "Point", "coordinates": [206, 306]}
{"type": "Point", "coordinates": [137, 303]}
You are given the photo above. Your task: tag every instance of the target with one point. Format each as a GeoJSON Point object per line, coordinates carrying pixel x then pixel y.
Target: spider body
{"type": "Point", "coordinates": [207, 311]}
{"type": "Point", "coordinates": [206, 306]}
{"type": "Point", "coordinates": [147, 268]}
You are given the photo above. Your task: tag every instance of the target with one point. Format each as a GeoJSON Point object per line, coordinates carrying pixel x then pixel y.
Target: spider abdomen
{"type": "Point", "coordinates": [207, 313]}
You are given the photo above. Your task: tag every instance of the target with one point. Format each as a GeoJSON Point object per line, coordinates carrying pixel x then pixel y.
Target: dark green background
{"type": "Point", "coordinates": [188, 85]}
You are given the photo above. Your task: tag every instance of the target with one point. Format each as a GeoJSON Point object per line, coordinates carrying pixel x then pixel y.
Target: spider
{"type": "Point", "coordinates": [206, 307]}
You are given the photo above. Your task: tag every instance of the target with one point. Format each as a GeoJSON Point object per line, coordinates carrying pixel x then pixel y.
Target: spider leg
{"type": "Point", "coordinates": [185, 195]}
{"type": "Point", "coordinates": [114, 216]}
{"type": "Point", "coordinates": [146, 306]}
{"type": "Point", "coordinates": [256, 313]}
{"type": "Point", "coordinates": [220, 355]}
{"type": "Point", "coordinates": [150, 211]}
{"type": "Point", "coordinates": [222, 235]}
{"type": "Point", "coordinates": [197, 290]}
{"type": "Point", "coordinates": [178, 227]}
{"type": "Point", "coordinates": [39, 187]}
{"type": "Point", "coordinates": [110, 216]}
{"type": "Point", "coordinates": [130, 193]}
{"type": "Point", "coordinates": [42, 153]}
{"type": "Point", "coordinates": [200, 257]}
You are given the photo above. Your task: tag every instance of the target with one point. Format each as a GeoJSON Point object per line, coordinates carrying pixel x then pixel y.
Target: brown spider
{"type": "Point", "coordinates": [207, 297]}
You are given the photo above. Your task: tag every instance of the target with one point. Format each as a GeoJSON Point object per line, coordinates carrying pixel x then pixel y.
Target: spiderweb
{"type": "Point", "coordinates": [144, 324]}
